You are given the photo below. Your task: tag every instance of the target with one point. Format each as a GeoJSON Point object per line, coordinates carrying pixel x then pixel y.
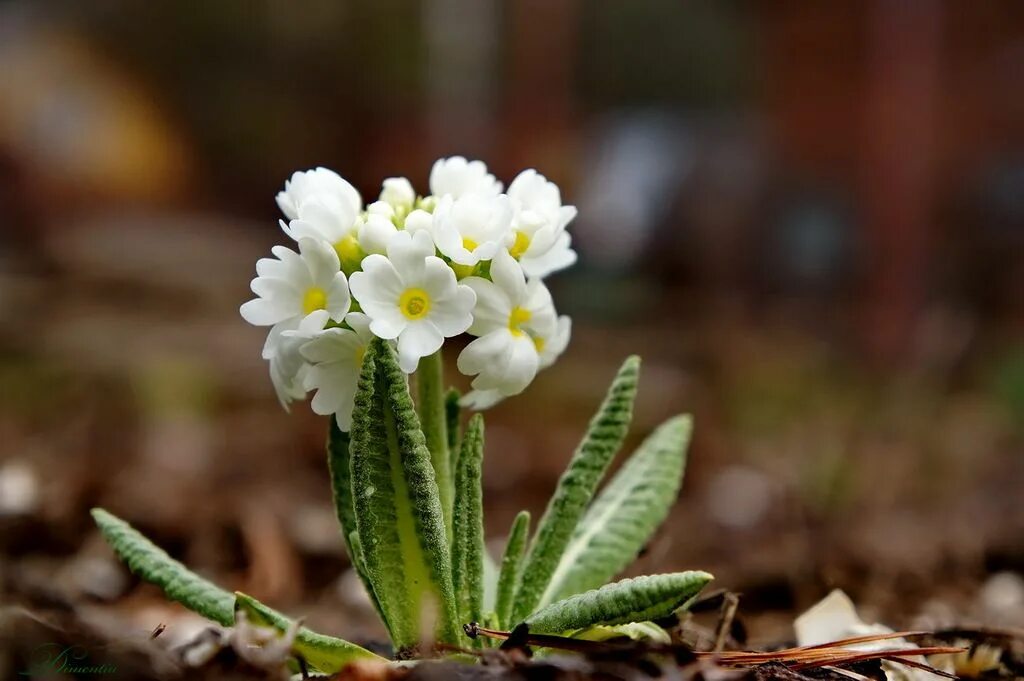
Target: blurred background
{"type": "Point", "coordinates": [808, 218]}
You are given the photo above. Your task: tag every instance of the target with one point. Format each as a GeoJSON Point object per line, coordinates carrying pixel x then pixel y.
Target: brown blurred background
{"type": "Point", "coordinates": [808, 218]}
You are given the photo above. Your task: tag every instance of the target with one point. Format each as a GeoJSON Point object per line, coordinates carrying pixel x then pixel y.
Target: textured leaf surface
{"type": "Point", "coordinates": [326, 653]}
{"type": "Point", "coordinates": [338, 462]}
{"type": "Point", "coordinates": [639, 599]}
{"type": "Point", "coordinates": [490, 581]}
{"type": "Point", "coordinates": [433, 413]}
{"type": "Point", "coordinates": [511, 563]}
{"type": "Point", "coordinates": [453, 413]}
{"type": "Point", "coordinates": [398, 511]}
{"type": "Point", "coordinates": [152, 564]}
{"type": "Point", "coordinates": [468, 525]}
{"type": "Point", "coordinates": [359, 565]}
{"type": "Point", "coordinates": [625, 514]}
{"type": "Point", "coordinates": [607, 430]}
{"type": "Point", "coordinates": [638, 631]}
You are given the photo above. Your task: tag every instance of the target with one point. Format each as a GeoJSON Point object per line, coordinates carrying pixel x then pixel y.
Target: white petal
{"type": "Point", "coordinates": [419, 221]}
{"type": "Point", "coordinates": [397, 191]}
{"type": "Point", "coordinates": [388, 325]}
{"type": "Point", "coordinates": [566, 214]}
{"type": "Point", "coordinates": [329, 346]}
{"type": "Point", "coordinates": [454, 314]}
{"type": "Point", "coordinates": [449, 242]}
{"type": "Point", "coordinates": [407, 252]}
{"type": "Point", "coordinates": [492, 308]}
{"type": "Point", "coordinates": [319, 183]}
{"type": "Point", "coordinates": [322, 261]}
{"type": "Point", "coordinates": [557, 258]}
{"type": "Point", "coordinates": [271, 267]}
{"type": "Point", "coordinates": [312, 323]}
{"type": "Point", "coordinates": [482, 353]}
{"type": "Point", "coordinates": [338, 298]}
{"type": "Point", "coordinates": [280, 290]}
{"type": "Point", "coordinates": [360, 324]}
{"type": "Point", "coordinates": [556, 344]}
{"type": "Point", "coordinates": [381, 208]}
{"type": "Point", "coordinates": [506, 273]}
{"type": "Point", "coordinates": [375, 233]}
{"type": "Point", "coordinates": [287, 205]}
{"type": "Point", "coordinates": [516, 372]}
{"type": "Point", "coordinates": [263, 312]}
{"type": "Point", "coordinates": [438, 280]}
{"type": "Point", "coordinates": [378, 284]}
{"type": "Point", "coordinates": [459, 177]}
{"type": "Point", "coordinates": [478, 400]}
{"type": "Point", "coordinates": [418, 340]}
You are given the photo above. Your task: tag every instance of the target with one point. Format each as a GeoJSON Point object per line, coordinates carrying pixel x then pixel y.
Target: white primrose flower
{"type": "Point", "coordinates": [398, 193]}
{"type": "Point", "coordinates": [471, 229]}
{"type": "Point", "coordinates": [459, 177]}
{"type": "Point", "coordinates": [305, 288]}
{"type": "Point", "coordinates": [413, 296]}
{"type": "Point", "coordinates": [289, 370]}
{"type": "Point", "coordinates": [420, 221]}
{"type": "Point", "coordinates": [377, 229]}
{"type": "Point", "coordinates": [323, 205]}
{"type": "Point", "coordinates": [509, 312]}
{"type": "Point", "coordinates": [336, 358]}
{"type": "Point", "coordinates": [287, 367]}
{"type": "Point", "coordinates": [321, 186]}
{"type": "Point", "coordinates": [539, 240]}
{"type": "Point", "coordinates": [548, 349]}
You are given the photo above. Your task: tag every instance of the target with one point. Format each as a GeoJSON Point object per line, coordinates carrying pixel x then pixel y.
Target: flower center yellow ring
{"type": "Point", "coordinates": [518, 317]}
{"type": "Point", "coordinates": [414, 303]}
{"type": "Point", "coordinates": [314, 299]}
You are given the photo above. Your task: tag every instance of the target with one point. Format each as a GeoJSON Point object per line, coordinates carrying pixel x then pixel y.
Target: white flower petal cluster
{"type": "Point", "coordinates": [413, 270]}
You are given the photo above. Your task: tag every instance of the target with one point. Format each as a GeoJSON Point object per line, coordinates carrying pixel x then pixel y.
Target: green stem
{"type": "Point", "coordinates": [430, 402]}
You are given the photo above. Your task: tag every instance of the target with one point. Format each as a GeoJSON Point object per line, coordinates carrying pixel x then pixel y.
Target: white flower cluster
{"type": "Point", "coordinates": [413, 270]}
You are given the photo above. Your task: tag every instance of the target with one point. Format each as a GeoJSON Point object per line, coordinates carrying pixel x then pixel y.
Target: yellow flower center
{"type": "Point", "coordinates": [520, 245]}
{"type": "Point", "coordinates": [539, 343]}
{"type": "Point", "coordinates": [315, 299]}
{"type": "Point", "coordinates": [463, 271]}
{"type": "Point", "coordinates": [350, 253]}
{"type": "Point", "coordinates": [360, 353]}
{"type": "Point", "coordinates": [414, 303]}
{"type": "Point", "coordinates": [517, 318]}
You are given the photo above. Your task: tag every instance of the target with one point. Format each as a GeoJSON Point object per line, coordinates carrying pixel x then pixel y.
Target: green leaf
{"type": "Point", "coordinates": [398, 510]}
{"type": "Point", "coordinates": [338, 462]}
{"type": "Point", "coordinates": [490, 581]}
{"type": "Point", "coordinates": [637, 631]}
{"type": "Point", "coordinates": [453, 413]}
{"type": "Point", "coordinates": [607, 430]}
{"type": "Point", "coordinates": [326, 653]}
{"type": "Point", "coordinates": [432, 410]}
{"type": "Point", "coordinates": [625, 514]}
{"type": "Point", "coordinates": [359, 565]}
{"type": "Point", "coordinates": [340, 466]}
{"type": "Point", "coordinates": [152, 564]}
{"type": "Point", "coordinates": [639, 599]}
{"type": "Point", "coordinates": [468, 525]}
{"type": "Point", "coordinates": [511, 562]}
